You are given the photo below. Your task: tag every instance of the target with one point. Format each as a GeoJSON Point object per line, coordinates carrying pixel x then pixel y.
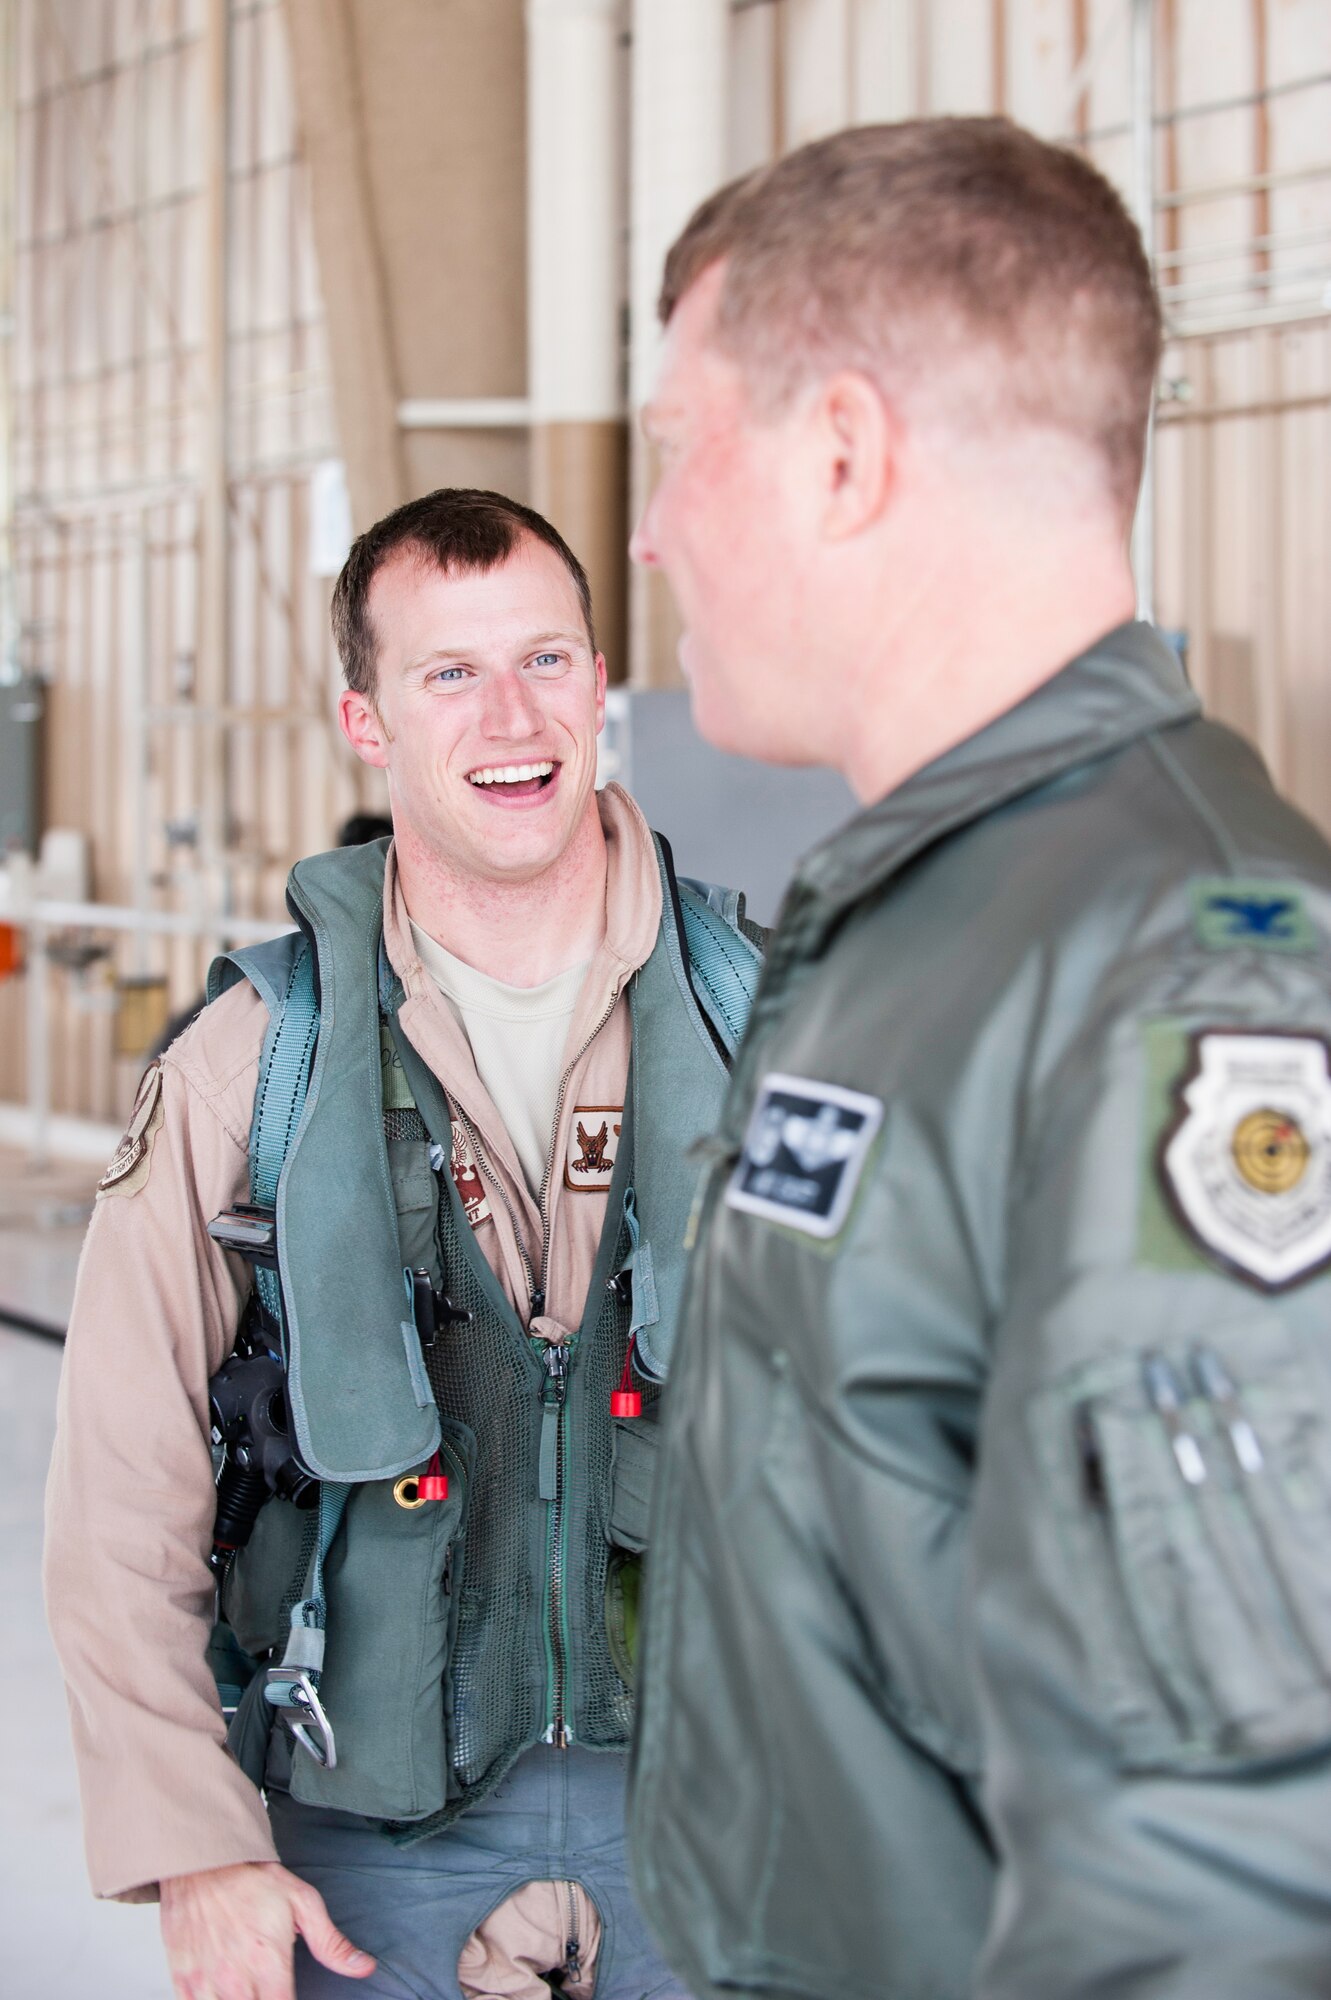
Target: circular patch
{"type": "Point", "coordinates": [1248, 1163]}
{"type": "Point", "coordinates": [1270, 1151]}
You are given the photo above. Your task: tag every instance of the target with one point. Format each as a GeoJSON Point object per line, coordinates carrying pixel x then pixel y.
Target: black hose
{"type": "Point", "coordinates": [24, 1323]}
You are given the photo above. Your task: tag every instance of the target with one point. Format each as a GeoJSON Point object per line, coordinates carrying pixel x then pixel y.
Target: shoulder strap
{"type": "Point", "coordinates": [724, 962]}
{"type": "Point", "coordinates": [279, 1099]}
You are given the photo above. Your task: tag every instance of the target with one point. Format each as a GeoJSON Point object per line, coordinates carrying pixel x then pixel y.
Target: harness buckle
{"type": "Point", "coordinates": [294, 1688]}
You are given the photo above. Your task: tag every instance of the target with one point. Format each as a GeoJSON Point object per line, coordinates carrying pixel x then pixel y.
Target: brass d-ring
{"type": "Point", "coordinates": [407, 1491]}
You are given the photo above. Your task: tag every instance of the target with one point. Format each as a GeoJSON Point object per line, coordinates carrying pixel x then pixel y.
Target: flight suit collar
{"type": "Point", "coordinates": [1127, 684]}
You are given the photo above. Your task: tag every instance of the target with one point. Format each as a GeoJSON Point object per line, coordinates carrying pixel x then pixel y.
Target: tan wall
{"type": "Point", "coordinates": [412, 118]}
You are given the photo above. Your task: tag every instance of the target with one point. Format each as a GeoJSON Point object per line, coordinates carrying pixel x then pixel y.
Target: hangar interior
{"type": "Point", "coordinates": [270, 267]}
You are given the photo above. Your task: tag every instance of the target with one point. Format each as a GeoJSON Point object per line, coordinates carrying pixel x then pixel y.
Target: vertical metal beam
{"type": "Point", "coordinates": [1261, 136]}
{"type": "Point", "coordinates": [9, 651]}
{"type": "Point", "coordinates": [679, 113]}
{"type": "Point", "coordinates": [139, 760]}
{"type": "Point", "coordinates": [575, 224]}
{"type": "Point", "coordinates": [328, 87]}
{"type": "Point", "coordinates": [37, 1031]}
{"type": "Point", "coordinates": [1080, 43]}
{"type": "Point", "coordinates": [1143, 197]}
{"type": "Point", "coordinates": [998, 53]}
{"type": "Point", "coordinates": [214, 488]}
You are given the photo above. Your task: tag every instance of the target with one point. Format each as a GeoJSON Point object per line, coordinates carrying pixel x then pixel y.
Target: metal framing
{"type": "Point", "coordinates": [171, 400]}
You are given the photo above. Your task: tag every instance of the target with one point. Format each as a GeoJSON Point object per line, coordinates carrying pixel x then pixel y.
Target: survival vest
{"type": "Point", "coordinates": [440, 1640]}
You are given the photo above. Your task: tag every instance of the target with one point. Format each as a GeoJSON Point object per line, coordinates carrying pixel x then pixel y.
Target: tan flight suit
{"type": "Point", "coordinates": [130, 1501]}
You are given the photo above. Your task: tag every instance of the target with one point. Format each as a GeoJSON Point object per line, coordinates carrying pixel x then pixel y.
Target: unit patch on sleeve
{"type": "Point", "coordinates": [1248, 1161]}
{"type": "Point", "coordinates": [804, 1153]}
{"type": "Point", "coordinates": [593, 1145]}
{"type": "Point", "coordinates": [1257, 915]}
{"type": "Point", "coordinates": [130, 1162]}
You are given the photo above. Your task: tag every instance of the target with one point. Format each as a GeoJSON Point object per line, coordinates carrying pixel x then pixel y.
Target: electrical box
{"type": "Point", "coordinates": [22, 702]}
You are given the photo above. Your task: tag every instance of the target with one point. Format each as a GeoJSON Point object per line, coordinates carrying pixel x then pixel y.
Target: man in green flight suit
{"type": "Point", "coordinates": [988, 1639]}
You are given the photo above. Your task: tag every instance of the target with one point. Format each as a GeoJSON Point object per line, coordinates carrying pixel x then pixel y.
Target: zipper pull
{"type": "Point", "coordinates": [1212, 1379]}
{"type": "Point", "coordinates": [1165, 1393]}
{"type": "Point", "coordinates": [553, 1391]}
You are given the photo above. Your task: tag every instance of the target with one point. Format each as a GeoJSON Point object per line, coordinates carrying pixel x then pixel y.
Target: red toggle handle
{"type": "Point", "coordinates": [626, 1401]}
{"type": "Point", "coordinates": [434, 1482]}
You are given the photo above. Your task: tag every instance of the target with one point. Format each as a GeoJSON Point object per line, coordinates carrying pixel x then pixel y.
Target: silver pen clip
{"type": "Point", "coordinates": [1215, 1384]}
{"type": "Point", "coordinates": [1166, 1397]}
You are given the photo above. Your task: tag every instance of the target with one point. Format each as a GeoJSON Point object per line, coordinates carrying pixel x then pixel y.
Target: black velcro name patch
{"type": "Point", "coordinates": [804, 1153]}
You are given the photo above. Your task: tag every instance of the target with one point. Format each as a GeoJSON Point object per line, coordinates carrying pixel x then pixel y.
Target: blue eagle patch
{"type": "Point", "coordinates": [1229, 915]}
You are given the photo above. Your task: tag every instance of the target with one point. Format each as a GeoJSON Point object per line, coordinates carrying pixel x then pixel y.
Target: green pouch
{"type": "Point", "coordinates": [632, 1475]}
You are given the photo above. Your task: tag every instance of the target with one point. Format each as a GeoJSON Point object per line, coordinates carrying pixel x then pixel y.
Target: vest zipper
{"type": "Point", "coordinates": [554, 1439]}
{"type": "Point", "coordinates": [555, 1360]}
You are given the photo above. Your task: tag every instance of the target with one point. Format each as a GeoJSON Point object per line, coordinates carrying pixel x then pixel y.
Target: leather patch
{"type": "Point", "coordinates": [593, 1143]}
{"type": "Point", "coordinates": [132, 1159]}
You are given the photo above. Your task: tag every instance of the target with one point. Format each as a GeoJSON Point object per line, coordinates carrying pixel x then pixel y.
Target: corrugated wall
{"type": "Point", "coordinates": [1243, 240]}
{"type": "Point", "coordinates": [174, 400]}
{"type": "Point", "coordinates": [195, 776]}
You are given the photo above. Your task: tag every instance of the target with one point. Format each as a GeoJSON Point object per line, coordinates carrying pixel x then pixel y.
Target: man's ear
{"type": "Point", "coordinates": [600, 692]}
{"type": "Point", "coordinates": [860, 445]}
{"type": "Point", "coordinates": [359, 721]}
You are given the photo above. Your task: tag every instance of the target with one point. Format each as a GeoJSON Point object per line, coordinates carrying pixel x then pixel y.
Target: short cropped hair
{"type": "Point", "coordinates": [903, 249]}
{"type": "Point", "coordinates": [456, 529]}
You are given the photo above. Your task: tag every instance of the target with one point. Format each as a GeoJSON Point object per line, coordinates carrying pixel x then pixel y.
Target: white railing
{"type": "Point", "coordinates": [37, 920]}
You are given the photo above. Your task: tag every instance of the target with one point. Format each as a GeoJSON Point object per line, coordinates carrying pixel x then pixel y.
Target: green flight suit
{"type": "Point", "coordinates": [988, 1636]}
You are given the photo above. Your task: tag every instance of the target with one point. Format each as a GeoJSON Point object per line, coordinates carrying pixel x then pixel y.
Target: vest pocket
{"type": "Point", "coordinates": [632, 1475]}
{"type": "Point", "coordinates": [393, 1579]}
{"type": "Point", "coordinates": [416, 1199]}
{"type": "Point", "coordinates": [1192, 1487]}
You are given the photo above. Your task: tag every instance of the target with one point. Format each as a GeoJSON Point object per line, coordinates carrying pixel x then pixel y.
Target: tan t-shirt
{"type": "Point", "coordinates": [518, 1037]}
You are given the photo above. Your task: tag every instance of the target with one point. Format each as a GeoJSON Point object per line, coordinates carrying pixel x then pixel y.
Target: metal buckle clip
{"type": "Point", "coordinates": [301, 1693]}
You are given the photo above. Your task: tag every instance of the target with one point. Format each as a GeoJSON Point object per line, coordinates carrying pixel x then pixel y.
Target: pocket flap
{"type": "Point", "coordinates": [632, 1472]}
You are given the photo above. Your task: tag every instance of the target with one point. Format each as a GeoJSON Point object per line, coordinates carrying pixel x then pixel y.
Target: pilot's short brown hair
{"type": "Point", "coordinates": [939, 248]}
{"type": "Point", "coordinates": [456, 529]}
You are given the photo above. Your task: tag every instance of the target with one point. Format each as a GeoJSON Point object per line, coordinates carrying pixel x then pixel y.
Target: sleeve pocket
{"type": "Point", "coordinates": [1191, 1490]}
{"type": "Point", "coordinates": [632, 1473]}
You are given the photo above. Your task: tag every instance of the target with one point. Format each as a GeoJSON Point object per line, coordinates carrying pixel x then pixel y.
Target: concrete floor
{"type": "Point", "coordinates": [58, 1943]}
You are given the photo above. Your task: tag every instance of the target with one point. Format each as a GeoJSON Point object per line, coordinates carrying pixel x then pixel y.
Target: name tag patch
{"type": "Point", "coordinates": [804, 1153]}
{"type": "Point", "coordinates": [1249, 1160]}
{"type": "Point", "coordinates": [593, 1142]}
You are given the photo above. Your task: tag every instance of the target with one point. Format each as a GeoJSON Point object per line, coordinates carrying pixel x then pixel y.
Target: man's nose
{"type": "Point", "coordinates": [511, 711]}
{"type": "Point", "coordinates": [642, 542]}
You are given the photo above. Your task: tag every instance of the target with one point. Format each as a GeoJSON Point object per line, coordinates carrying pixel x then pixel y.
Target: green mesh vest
{"type": "Point", "coordinates": [459, 1632]}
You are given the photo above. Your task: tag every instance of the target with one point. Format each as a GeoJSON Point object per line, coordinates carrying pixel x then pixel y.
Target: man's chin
{"type": "Point", "coordinates": [741, 729]}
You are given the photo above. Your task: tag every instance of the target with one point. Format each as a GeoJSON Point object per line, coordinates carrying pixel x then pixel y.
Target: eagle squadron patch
{"type": "Point", "coordinates": [467, 1177]}
{"type": "Point", "coordinates": [803, 1153]}
{"type": "Point", "coordinates": [1248, 1163]}
{"type": "Point", "coordinates": [593, 1143]}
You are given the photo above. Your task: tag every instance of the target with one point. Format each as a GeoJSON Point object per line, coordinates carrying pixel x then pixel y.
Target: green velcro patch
{"type": "Point", "coordinates": [396, 1089]}
{"type": "Point", "coordinates": [1162, 1242]}
{"type": "Point", "coordinates": [1231, 914]}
